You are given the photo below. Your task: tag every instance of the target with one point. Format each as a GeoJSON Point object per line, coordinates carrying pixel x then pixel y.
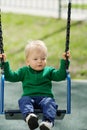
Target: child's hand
{"type": "Point", "coordinates": [3, 56]}
{"type": "Point", "coordinates": [66, 54]}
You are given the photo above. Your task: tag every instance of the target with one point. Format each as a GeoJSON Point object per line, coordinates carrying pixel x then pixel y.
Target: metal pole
{"type": "Point", "coordinates": [2, 95]}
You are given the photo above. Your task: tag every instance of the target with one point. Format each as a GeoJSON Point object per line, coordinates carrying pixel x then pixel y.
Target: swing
{"type": "Point", "coordinates": [16, 114]}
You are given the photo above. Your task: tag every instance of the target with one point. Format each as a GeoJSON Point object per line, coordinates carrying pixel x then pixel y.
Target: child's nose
{"type": "Point", "coordinates": [39, 60]}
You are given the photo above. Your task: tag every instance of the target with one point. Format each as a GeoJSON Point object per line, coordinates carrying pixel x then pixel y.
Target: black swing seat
{"type": "Point", "coordinates": [16, 114]}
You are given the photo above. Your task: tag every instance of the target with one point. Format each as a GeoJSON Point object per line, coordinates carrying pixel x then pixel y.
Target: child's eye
{"type": "Point", "coordinates": [43, 58]}
{"type": "Point", "coordinates": [35, 59]}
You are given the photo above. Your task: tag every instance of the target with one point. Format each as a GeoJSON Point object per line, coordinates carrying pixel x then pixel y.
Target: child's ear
{"type": "Point", "coordinates": [27, 62]}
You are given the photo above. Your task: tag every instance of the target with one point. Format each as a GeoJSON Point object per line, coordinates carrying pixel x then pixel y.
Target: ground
{"type": "Point", "coordinates": [77, 120]}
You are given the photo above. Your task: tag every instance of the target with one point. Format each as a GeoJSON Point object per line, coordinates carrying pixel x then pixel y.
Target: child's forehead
{"type": "Point", "coordinates": [37, 52]}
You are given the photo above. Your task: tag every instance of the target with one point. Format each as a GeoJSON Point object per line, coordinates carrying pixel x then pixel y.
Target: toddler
{"type": "Point", "coordinates": [36, 80]}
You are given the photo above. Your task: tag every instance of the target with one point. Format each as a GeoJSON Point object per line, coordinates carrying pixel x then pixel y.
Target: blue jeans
{"type": "Point", "coordinates": [46, 104]}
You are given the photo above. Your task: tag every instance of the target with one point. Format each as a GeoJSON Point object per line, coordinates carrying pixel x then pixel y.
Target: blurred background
{"type": "Point", "coordinates": [24, 20]}
{"type": "Point", "coordinates": [52, 8]}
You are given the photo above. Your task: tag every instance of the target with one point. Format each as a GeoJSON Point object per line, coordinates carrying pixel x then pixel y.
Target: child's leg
{"type": "Point", "coordinates": [49, 110]}
{"type": "Point", "coordinates": [26, 106]}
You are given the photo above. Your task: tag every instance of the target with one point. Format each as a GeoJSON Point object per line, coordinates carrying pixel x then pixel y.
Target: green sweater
{"type": "Point", "coordinates": [36, 83]}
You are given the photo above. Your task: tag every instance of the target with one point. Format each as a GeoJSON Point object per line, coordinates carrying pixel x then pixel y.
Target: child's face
{"type": "Point", "coordinates": [37, 59]}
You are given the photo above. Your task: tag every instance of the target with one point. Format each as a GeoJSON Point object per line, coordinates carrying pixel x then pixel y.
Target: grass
{"type": "Point", "coordinates": [18, 29]}
{"type": "Point", "coordinates": [79, 6]}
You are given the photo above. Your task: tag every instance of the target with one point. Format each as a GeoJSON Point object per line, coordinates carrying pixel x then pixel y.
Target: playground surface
{"type": "Point", "coordinates": [77, 120]}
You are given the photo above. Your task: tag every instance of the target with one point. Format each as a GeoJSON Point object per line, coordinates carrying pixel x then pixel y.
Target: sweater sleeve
{"type": "Point", "coordinates": [12, 76]}
{"type": "Point", "coordinates": [59, 74]}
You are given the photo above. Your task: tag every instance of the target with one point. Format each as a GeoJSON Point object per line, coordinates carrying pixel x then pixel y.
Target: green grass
{"type": "Point", "coordinates": [79, 6]}
{"type": "Point", "coordinates": [18, 29]}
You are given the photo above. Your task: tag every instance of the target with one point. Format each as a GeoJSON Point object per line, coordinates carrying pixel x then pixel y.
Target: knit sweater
{"type": "Point", "coordinates": [36, 83]}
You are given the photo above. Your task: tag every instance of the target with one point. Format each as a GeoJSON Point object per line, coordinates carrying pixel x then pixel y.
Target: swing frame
{"type": "Point", "coordinates": [16, 114]}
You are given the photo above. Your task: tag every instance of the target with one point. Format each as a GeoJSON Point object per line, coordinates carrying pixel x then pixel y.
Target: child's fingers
{"type": "Point", "coordinates": [66, 54]}
{"type": "Point", "coordinates": [0, 55]}
{"type": "Point", "coordinates": [3, 56]}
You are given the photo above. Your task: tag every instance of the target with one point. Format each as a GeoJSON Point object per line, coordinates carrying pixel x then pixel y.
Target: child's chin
{"type": "Point", "coordinates": [39, 69]}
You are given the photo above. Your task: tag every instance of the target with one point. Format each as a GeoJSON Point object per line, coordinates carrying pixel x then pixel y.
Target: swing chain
{"type": "Point", "coordinates": [1, 46]}
{"type": "Point", "coordinates": [68, 34]}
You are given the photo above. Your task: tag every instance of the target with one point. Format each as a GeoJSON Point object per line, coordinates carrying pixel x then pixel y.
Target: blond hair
{"type": "Point", "coordinates": [36, 44]}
